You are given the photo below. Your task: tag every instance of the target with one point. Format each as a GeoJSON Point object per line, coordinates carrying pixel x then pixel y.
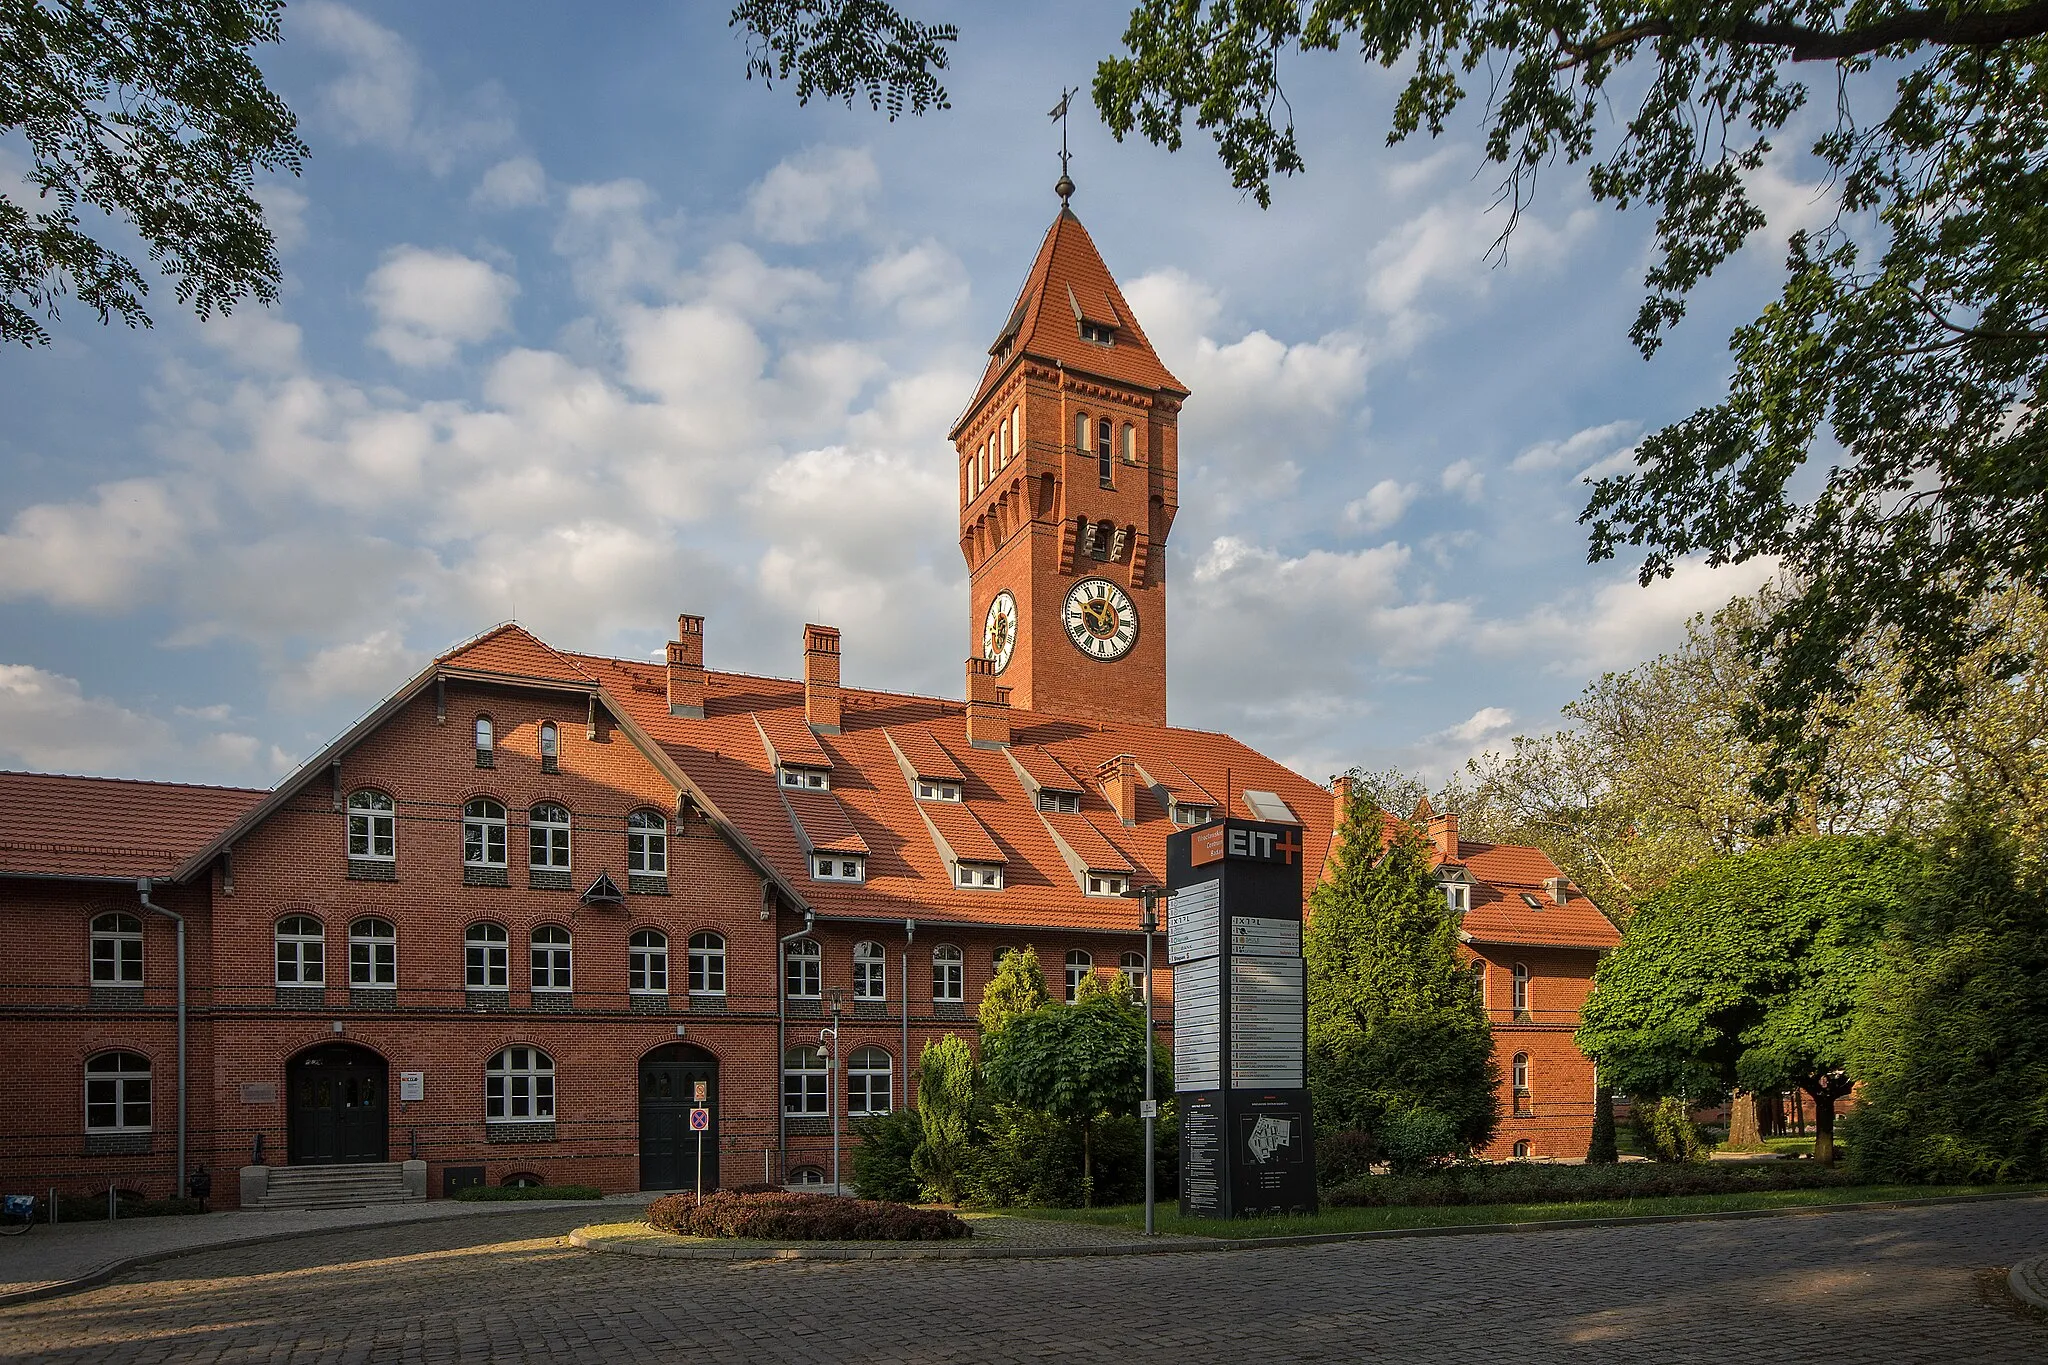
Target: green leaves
{"type": "Point", "coordinates": [840, 49]}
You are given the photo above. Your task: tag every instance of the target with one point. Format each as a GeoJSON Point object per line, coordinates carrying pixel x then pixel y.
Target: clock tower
{"type": "Point", "coordinates": [1069, 477]}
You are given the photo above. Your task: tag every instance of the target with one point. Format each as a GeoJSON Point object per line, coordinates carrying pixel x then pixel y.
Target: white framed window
{"type": "Point", "coordinates": [805, 1076]}
{"type": "Point", "coordinates": [483, 832]}
{"type": "Point", "coordinates": [707, 964]}
{"type": "Point", "coordinates": [116, 950]}
{"type": "Point", "coordinates": [1079, 964]}
{"type": "Point", "coordinates": [837, 867]}
{"type": "Point", "coordinates": [1016, 428]}
{"type": "Point", "coordinates": [807, 779]}
{"type": "Point", "coordinates": [519, 1086]}
{"type": "Point", "coordinates": [1519, 1073]}
{"type": "Point", "coordinates": [1130, 444]}
{"type": "Point", "coordinates": [802, 969]}
{"type": "Point", "coordinates": [868, 1089]}
{"type": "Point", "coordinates": [1105, 454]}
{"type": "Point", "coordinates": [372, 826]}
{"type": "Point", "coordinates": [485, 957]}
{"type": "Point", "coordinates": [1106, 884]}
{"type": "Point", "coordinates": [301, 951]}
{"type": "Point", "coordinates": [930, 790]}
{"type": "Point", "coordinates": [1083, 429]}
{"type": "Point", "coordinates": [550, 747]}
{"type": "Point", "coordinates": [647, 962]}
{"type": "Point", "coordinates": [553, 958]}
{"type": "Point", "coordinates": [1523, 1151]}
{"type": "Point", "coordinates": [372, 953]}
{"type": "Point", "coordinates": [486, 742]}
{"type": "Point", "coordinates": [117, 1098]}
{"type": "Point", "coordinates": [1186, 813]}
{"type": "Point", "coordinates": [870, 972]}
{"type": "Point", "coordinates": [1133, 967]}
{"type": "Point", "coordinates": [647, 844]}
{"type": "Point", "coordinates": [1458, 895]}
{"type": "Point", "coordinates": [949, 974]}
{"type": "Point", "coordinates": [547, 836]}
{"type": "Point", "coordinates": [1521, 988]}
{"type": "Point", "coordinates": [1067, 803]}
{"type": "Point", "coordinates": [980, 876]}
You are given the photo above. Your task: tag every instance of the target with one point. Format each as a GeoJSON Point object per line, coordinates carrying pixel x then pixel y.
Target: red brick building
{"type": "Point", "coordinates": [518, 918]}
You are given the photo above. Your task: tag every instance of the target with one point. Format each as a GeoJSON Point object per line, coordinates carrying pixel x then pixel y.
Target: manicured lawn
{"type": "Point", "coordinates": [1132, 1216]}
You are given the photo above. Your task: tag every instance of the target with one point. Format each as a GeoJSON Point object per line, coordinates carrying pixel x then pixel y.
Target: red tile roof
{"type": "Point", "coordinates": [108, 827]}
{"type": "Point", "coordinates": [1504, 874]}
{"type": "Point", "coordinates": [1068, 283]}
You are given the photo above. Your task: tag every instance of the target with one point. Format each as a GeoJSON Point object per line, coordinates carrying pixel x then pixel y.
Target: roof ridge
{"type": "Point", "coordinates": [136, 781]}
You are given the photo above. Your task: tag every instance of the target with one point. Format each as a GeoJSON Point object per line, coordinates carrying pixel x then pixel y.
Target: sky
{"type": "Point", "coordinates": [581, 328]}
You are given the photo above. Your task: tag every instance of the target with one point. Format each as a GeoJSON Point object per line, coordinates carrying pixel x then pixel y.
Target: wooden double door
{"type": "Point", "coordinates": [669, 1077]}
{"type": "Point", "coordinates": [339, 1105]}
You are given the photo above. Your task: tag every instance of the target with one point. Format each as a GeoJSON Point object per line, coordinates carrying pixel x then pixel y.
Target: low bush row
{"type": "Point", "coordinates": [1522, 1183]}
{"type": "Point", "coordinates": [787, 1216]}
{"type": "Point", "coordinates": [489, 1194]}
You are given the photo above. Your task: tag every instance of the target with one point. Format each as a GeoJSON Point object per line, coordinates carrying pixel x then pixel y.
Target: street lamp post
{"type": "Point", "coordinates": [1149, 1110]}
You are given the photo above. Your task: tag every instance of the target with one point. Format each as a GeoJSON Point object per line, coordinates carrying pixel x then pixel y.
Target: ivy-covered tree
{"type": "Point", "coordinates": [1395, 1022]}
{"type": "Point", "coordinates": [1017, 989]}
{"type": "Point", "coordinates": [1745, 971]}
{"type": "Point", "coordinates": [151, 113]}
{"type": "Point", "coordinates": [1077, 1063]}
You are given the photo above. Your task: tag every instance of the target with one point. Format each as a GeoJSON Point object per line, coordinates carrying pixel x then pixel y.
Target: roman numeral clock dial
{"type": "Point", "coordinates": [1101, 619]}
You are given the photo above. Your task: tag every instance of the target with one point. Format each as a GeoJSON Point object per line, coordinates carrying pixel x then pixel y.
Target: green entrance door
{"type": "Point", "coordinates": [668, 1086]}
{"type": "Point", "coordinates": [338, 1105]}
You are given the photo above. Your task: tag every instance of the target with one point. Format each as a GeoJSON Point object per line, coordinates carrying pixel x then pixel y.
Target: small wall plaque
{"type": "Point", "coordinates": [261, 1092]}
{"type": "Point", "coordinates": [412, 1085]}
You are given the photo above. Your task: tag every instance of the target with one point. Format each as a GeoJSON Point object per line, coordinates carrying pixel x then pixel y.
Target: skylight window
{"type": "Point", "coordinates": [1268, 806]}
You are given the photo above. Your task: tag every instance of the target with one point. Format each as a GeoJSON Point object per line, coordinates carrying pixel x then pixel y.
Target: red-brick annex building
{"type": "Point", "coordinates": [521, 916]}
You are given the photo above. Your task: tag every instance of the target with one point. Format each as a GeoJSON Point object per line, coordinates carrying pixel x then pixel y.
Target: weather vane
{"type": "Point", "coordinates": [1065, 187]}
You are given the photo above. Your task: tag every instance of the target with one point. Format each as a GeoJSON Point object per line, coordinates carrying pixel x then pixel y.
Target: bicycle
{"type": "Point", "coordinates": [17, 1213]}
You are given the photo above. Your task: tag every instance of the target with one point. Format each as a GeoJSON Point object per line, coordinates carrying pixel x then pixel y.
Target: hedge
{"type": "Point", "coordinates": [1521, 1183]}
{"type": "Point", "coordinates": [483, 1194]}
{"type": "Point", "coordinates": [788, 1216]}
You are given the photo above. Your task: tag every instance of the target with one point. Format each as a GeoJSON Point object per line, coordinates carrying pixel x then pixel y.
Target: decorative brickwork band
{"type": "Point", "coordinates": [372, 870]}
{"type": "Point", "coordinates": [548, 879]}
{"type": "Point", "coordinates": [485, 876]}
{"type": "Point", "coordinates": [519, 1132]}
{"type": "Point", "coordinates": [648, 1004]}
{"type": "Point", "coordinates": [638, 884]}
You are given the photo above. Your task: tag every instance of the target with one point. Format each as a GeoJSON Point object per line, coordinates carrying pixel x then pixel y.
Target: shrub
{"type": "Point", "coordinates": [1665, 1130]}
{"type": "Point", "coordinates": [1526, 1183]}
{"type": "Point", "coordinates": [882, 1163]}
{"type": "Point", "coordinates": [1603, 1150]}
{"type": "Point", "coordinates": [1416, 1140]}
{"type": "Point", "coordinates": [789, 1216]}
{"type": "Point", "coordinates": [491, 1194]}
{"type": "Point", "coordinates": [1345, 1156]}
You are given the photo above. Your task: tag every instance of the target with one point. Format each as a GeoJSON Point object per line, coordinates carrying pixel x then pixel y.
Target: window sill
{"type": "Point", "coordinates": [373, 997]}
{"type": "Point", "coordinates": [707, 1004]}
{"type": "Point", "coordinates": [548, 879]}
{"type": "Point", "coordinates": [118, 1144]}
{"type": "Point", "coordinates": [949, 1009]}
{"type": "Point", "coordinates": [871, 1009]}
{"type": "Point", "coordinates": [806, 1009]}
{"type": "Point", "coordinates": [519, 1130]}
{"type": "Point", "coordinates": [485, 876]}
{"type": "Point", "coordinates": [641, 884]}
{"type": "Point", "coordinates": [303, 997]}
{"type": "Point", "coordinates": [372, 870]}
{"type": "Point", "coordinates": [476, 999]}
{"type": "Point", "coordinates": [641, 1002]}
{"type": "Point", "coordinates": [555, 1002]}
{"type": "Point", "coordinates": [807, 1125]}
{"type": "Point", "coordinates": [116, 997]}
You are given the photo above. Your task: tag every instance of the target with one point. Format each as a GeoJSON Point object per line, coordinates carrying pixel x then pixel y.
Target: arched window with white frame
{"type": "Point", "coordinates": [301, 951]}
{"type": "Point", "coordinates": [553, 959]}
{"type": "Point", "coordinates": [372, 954]}
{"type": "Point", "coordinates": [117, 1093]}
{"type": "Point", "coordinates": [1133, 967]}
{"type": "Point", "coordinates": [1079, 964]}
{"type": "Point", "coordinates": [519, 1086]}
{"type": "Point", "coordinates": [547, 837]}
{"type": "Point", "coordinates": [647, 844]}
{"type": "Point", "coordinates": [868, 1088]}
{"type": "Point", "coordinates": [486, 743]}
{"type": "Point", "coordinates": [949, 974]}
{"type": "Point", "coordinates": [647, 962]}
{"type": "Point", "coordinates": [805, 1079]}
{"type": "Point", "coordinates": [550, 747]}
{"type": "Point", "coordinates": [483, 833]}
{"type": "Point", "coordinates": [1521, 988]}
{"type": "Point", "coordinates": [1518, 1072]}
{"type": "Point", "coordinates": [802, 969]}
{"type": "Point", "coordinates": [870, 972]}
{"type": "Point", "coordinates": [1105, 453]}
{"type": "Point", "coordinates": [486, 957]}
{"type": "Point", "coordinates": [707, 963]}
{"type": "Point", "coordinates": [117, 949]}
{"type": "Point", "coordinates": [372, 827]}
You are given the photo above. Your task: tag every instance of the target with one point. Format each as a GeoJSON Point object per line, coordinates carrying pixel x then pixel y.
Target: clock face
{"type": "Point", "coordinates": [1101, 619]}
{"type": "Point", "coordinates": [999, 630]}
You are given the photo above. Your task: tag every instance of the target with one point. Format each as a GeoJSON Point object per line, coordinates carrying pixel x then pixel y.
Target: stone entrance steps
{"type": "Point", "coordinates": [334, 1187]}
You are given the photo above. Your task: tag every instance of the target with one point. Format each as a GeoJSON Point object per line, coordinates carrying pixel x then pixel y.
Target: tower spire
{"type": "Point", "coordinates": [1064, 188]}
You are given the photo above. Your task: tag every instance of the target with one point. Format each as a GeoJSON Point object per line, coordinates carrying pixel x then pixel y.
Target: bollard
{"type": "Point", "coordinates": [53, 1205]}
{"type": "Point", "coordinates": [113, 1212]}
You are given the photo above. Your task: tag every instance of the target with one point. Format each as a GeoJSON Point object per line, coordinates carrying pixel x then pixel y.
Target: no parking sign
{"type": "Point", "coordinates": [700, 1120]}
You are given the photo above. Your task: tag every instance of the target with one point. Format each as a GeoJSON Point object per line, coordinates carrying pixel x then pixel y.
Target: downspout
{"type": "Point", "coordinates": [782, 1037]}
{"type": "Point", "coordinates": [909, 932]}
{"type": "Point", "coordinates": [142, 886]}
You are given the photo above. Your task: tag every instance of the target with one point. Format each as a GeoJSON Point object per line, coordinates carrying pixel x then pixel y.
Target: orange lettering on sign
{"type": "Point", "coordinates": [1207, 846]}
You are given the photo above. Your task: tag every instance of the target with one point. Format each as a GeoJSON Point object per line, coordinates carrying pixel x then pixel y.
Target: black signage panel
{"type": "Point", "coordinates": [1234, 942]}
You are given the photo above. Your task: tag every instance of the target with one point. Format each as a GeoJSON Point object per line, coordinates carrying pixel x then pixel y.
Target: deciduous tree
{"type": "Point", "coordinates": [1077, 1063]}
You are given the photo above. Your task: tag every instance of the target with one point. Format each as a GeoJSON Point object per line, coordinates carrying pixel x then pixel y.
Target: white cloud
{"type": "Point", "coordinates": [254, 337]}
{"type": "Point", "coordinates": [515, 183]}
{"type": "Point", "coordinates": [1588, 444]}
{"type": "Point", "coordinates": [1621, 623]}
{"type": "Point", "coordinates": [355, 670]}
{"type": "Point", "coordinates": [383, 97]}
{"type": "Point", "coordinates": [1442, 252]}
{"type": "Point", "coordinates": [1382, 506]}
{"type": "Point", "coordinates": [1464, 479]}
{"type": "Point", "coordinates": [48, 724]}
{"type": "Point", "coordinates": [430, 303]}
{"type": "Point", "coordinates": [616, 248]}
{"type": "Point", "coordinates": [816, 194]}
{"type": "Point", "coordinates": [99, 555]}
{"type": "Point", "coordinates": [284, 212]}
{"type": "Point", "coordinates": [925, 284]}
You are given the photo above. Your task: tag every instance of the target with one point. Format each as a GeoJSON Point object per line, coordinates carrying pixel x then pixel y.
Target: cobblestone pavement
{"type": "Point", "coordinates": [1900, 1285]}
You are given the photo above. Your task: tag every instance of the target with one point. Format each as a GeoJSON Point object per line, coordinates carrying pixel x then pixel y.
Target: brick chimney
{"type": "Point", "coordinates": [1119, 779]}
{"type": "Point", "coordinates": [988, 707]}
{"type": "Point", "coordinates": [1443, 832]}
{"type": "Point", "coordinates": [686, 668]}
{"type": "Point", "coordinates": [1340, 800]}
{"type": "Point", "coordinates": [821, 679]}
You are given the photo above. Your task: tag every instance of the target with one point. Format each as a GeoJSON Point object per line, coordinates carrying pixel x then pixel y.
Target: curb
{"type": "Point", "coordinates": [101, 1274]}
{"type": "Point", "coordinates": [2029, 1282]}
{"type": "Point", "coordinates": [953, 1251]}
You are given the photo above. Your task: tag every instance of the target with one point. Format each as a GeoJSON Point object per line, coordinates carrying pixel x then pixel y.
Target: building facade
{"type": "Point", "coordinates": [536, 906]}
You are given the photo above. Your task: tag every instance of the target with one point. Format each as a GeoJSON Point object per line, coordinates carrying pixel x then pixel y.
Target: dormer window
{"type": "Point", "coordinates": [808, 779]}
{"type": "Point", "coordinates": [1066, 803]}
{"type": "Point", "coordinates": [979, 876]}
{"type": "Point", "coordinates": [1101, 884]}
{"type": "Point", "coordinates": [837, 867]}
{"type": "Point", "coordinates": [1459, 896]}
{"type": "Point", "coordinates": [1099, 333]}
{"type": "Point", "coordinates": [929, 790]}
{"type": "Point", "coordinates": [1191, 815]}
